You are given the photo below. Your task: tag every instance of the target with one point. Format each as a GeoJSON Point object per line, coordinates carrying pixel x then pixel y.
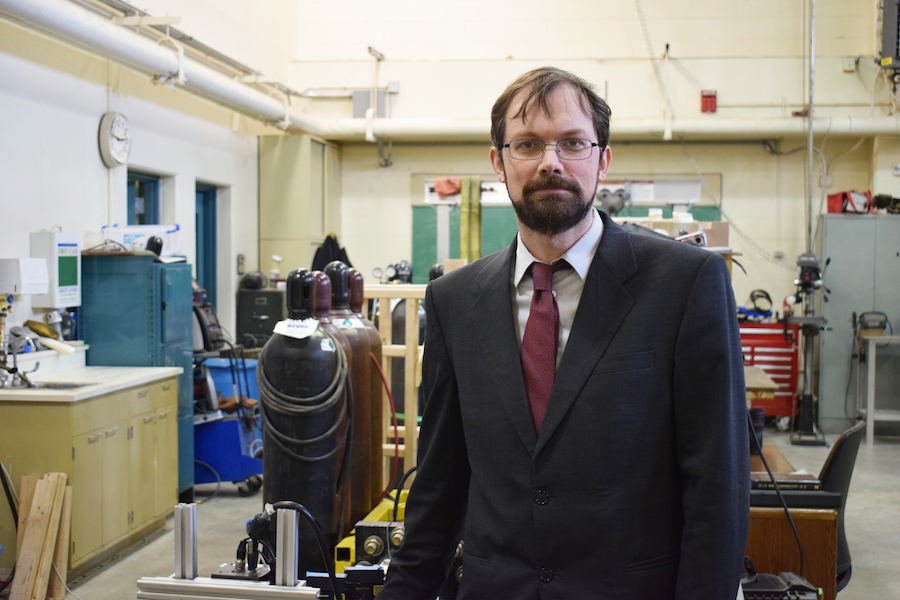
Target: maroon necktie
{"type": "Point", "coordinates": [540, 341]}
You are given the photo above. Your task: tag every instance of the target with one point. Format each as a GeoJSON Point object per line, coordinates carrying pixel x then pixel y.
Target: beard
{"type": "Point", "coordinates": [552, 214]}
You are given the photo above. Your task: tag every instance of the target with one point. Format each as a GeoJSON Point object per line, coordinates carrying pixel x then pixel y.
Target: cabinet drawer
{"type": "Point", "coordinates": [153, 396]}
{"type": "Point", "coordinates": [99, 412]}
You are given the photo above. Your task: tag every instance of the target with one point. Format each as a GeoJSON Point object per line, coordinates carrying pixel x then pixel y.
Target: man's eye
{"type": "Point", "coordinates": [525, 145]}
{"type": "Point", "coordinates": [573, 144]}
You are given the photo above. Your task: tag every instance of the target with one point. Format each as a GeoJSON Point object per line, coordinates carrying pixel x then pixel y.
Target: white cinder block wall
{"type": "Point", "coordinates": [451, 59]}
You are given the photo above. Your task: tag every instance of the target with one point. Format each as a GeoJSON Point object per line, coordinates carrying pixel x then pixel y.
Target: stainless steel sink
{"type": "Point", "coordinates": [55, 385]}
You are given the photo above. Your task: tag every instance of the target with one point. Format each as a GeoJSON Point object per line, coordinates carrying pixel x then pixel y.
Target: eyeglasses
{"type": "Point", "coordinates": [573, 149]}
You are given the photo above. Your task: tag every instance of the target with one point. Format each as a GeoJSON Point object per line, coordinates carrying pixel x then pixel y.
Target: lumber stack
{"type": "Point", "coordinates": [45, 508]}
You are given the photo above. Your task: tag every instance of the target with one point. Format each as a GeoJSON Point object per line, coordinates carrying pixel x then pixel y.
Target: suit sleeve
{"type": "Point", "coordinates": [711, 438]}
{"type": "Point", "coordinates": [436, 505]}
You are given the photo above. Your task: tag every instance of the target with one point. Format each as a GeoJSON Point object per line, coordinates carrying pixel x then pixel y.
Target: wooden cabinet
{"type": "Point", "coordinates": [120, 451]}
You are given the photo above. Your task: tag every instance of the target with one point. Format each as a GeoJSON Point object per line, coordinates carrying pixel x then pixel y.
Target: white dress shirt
{"type": "Point", "coordinates": [567, 284]}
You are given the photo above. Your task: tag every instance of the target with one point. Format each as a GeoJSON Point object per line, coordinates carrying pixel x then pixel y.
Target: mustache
{"type": "Point", "coordinates": [552, 182]}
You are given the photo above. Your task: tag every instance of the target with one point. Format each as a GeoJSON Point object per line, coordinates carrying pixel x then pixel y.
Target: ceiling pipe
{"type": "Point", "coordinates": [64, 20]}
{"type": "Point", "coordinates": [76, 25]}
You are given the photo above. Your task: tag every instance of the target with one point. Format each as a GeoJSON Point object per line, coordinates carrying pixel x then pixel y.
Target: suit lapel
{"type": "Point", "coordinates": [604, 305]}
{"type": "Point", "coordinates": [492, 319]}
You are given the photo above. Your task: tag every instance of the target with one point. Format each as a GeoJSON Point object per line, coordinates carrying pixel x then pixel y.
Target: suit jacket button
{"type": "Point", "coordinates": [545, 574]}
{"type": "Point", "coordinates": [541, 497]}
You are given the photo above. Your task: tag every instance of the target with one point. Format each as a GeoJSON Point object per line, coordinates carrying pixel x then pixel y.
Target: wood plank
{"type": "Point", "coordinates": [57, 588]}
{"type": "Point", "coordinates": [777, 462]}
{"type": "Point", "coordinates": [772, 547]}
{"type": "Point", "coordinates": [48, 547]}
{"type": "Point", "coordinates": [26, 495]}
{"type": "Point", "coordinates": [32, 544]}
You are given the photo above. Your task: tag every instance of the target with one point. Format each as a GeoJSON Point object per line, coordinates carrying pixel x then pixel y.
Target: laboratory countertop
{"type": "Point", "coordinates": [99, 380]}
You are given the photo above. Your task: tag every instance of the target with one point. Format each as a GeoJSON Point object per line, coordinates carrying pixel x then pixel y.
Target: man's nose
{"type": "Point", "coordinates": [550, 161]}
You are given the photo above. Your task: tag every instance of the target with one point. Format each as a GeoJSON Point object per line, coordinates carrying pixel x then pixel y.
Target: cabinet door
{"type": "Point", "coordinates": [849, 241]}
{"type": "Point", "coordinates": [176, 311]}
{"type": "Point", "coordinates": [115, 481]}
{"type": "Point", "coordinates": [166, 459]}
{"type": "Point", "coordinates": [887, 300]}
{"type": "Point", "coordinates": [87, 494]}
{"type": "Point", "coordinates": [143, 468]}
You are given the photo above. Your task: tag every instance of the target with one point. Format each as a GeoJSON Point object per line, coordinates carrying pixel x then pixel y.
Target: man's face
{"type": "Point", "coordinates": [551, 195]}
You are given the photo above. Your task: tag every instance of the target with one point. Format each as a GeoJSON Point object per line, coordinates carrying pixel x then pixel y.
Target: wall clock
{"type": "Point", "coordinates": [115, 139]}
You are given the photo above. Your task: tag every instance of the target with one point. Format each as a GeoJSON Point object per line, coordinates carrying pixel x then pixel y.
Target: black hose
{"type": "Point", "coordinates": [399, 489]}
{"type": "Point", "coordinates": [15, 515]}
{"type": "Point", "coordinates": [272, 399]}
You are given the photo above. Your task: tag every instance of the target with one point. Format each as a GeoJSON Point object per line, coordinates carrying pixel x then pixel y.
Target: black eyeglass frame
{"type": "Point", "coordinates": [544, 148]}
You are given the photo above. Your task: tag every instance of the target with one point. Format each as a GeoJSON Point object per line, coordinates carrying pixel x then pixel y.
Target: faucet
{"type": "Point", "coordinates": [14, 378]}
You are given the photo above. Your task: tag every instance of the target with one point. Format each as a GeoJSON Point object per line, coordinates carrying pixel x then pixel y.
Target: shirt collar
{"type": "Point", "coordinates": [580, 255]}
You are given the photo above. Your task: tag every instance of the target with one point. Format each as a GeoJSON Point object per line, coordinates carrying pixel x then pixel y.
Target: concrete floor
{"type": "Point", "coordinates": [872, 525]}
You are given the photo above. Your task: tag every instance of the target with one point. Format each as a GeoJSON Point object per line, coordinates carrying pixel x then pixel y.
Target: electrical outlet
{"type": "Point", "coordinates": [848, 65]}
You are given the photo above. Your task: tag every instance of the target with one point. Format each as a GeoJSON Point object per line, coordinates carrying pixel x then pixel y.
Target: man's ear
{"type": "Point", "coordinates": [604, 164]}
{"type": "Point", "coordinates": [497, 163]}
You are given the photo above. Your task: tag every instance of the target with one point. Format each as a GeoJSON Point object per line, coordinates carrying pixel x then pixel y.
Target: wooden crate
{"type": "Point", "coordinates": [411, 352]}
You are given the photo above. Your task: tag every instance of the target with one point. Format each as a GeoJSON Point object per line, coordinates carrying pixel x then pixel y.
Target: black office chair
{"type": "Point", "coordinates": [835, 477]}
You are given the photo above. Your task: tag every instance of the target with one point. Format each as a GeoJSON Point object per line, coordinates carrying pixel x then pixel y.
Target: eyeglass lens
{"type": "Point", "coordinates": [571, 149]}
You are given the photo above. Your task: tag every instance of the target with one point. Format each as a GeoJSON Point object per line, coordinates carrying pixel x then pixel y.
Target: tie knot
{"type": "Point", "coordinates": [542, 274]}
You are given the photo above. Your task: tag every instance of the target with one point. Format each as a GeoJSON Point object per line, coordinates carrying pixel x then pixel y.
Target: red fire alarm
{"type": "Point", "coordinates": [708, 101]}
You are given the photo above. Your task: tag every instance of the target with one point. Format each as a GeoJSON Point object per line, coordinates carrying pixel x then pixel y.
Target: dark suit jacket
{"type": "Point", "coordinates": [637, 487]}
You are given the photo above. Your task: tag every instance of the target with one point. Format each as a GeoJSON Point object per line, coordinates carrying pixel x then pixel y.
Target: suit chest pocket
{"type": "Point", "coordinates": [632, 361]}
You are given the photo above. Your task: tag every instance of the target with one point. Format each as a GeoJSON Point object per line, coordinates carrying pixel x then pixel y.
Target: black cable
{"type": "Point", "coordinates": [320, 538]}
{"type": "Point", "coordinates": [15, 515]}
{"type": "Point", "coordinates": [12, 507]}
{"type": "Point", "coordinates": [218, 479]}
{"type": "Point", "coordinates": [9, 498]}
{"type": "Point", "coordinates": [784, 505]}
{"type": "Point", "coordinates": [400, 488]}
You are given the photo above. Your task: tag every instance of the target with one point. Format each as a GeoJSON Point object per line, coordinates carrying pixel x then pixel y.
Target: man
{"type": "Point", "coordinates": [630, 481]}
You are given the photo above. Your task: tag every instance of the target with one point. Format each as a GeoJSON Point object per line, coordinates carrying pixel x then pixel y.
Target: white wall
{"type": "Point", "coordinates": [453, 57]}
{"type": "Point", "coordinates": [51, 100]}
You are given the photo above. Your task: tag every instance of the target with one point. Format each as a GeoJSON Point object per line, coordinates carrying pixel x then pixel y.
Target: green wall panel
{"type": "Point", "coordinates": [498, 228]}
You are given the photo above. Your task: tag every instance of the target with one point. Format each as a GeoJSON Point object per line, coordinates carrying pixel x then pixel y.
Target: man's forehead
{"type": "Point", "coordinates": [573, 102]}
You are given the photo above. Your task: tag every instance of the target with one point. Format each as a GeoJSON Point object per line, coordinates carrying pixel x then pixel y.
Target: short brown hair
{"type": "Point", "coordinates": [541, 82]}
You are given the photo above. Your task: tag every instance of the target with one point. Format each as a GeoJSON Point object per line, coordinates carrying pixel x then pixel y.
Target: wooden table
{"type": "Point", "coordinates": [777, 462]}
{"type": "Point", "coordinates": [869, 411]}
{"type": "Point", "coordinates": [759, 385]}
{"type": "Point", "coordinates": [771, 544]}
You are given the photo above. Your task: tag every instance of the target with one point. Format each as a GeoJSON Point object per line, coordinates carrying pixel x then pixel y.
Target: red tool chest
{"type": "Point", "coordinates": [764, 346]}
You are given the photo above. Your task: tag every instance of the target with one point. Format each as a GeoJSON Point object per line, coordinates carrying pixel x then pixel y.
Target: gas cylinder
{"type": "Point", "coordinates": [360, 447]}
{"type": "Point", "coordinates": [322, 308]}
{"type": "Point", "coordinates": [356, 300]}
{"type": "Point", "coordinates": [302, 373]}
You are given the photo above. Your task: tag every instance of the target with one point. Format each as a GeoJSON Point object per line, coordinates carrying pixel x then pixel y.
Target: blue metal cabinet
{"type": "Point", "coordinates": [137, 312]}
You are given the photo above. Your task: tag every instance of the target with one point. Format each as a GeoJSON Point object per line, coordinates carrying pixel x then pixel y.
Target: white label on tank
{"type": "Point", "coordinates": [349, 323]}
{"type": "Point", "coordinates": [296, 328]}
{"type": "Point", "coordinates": [327, 345]}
